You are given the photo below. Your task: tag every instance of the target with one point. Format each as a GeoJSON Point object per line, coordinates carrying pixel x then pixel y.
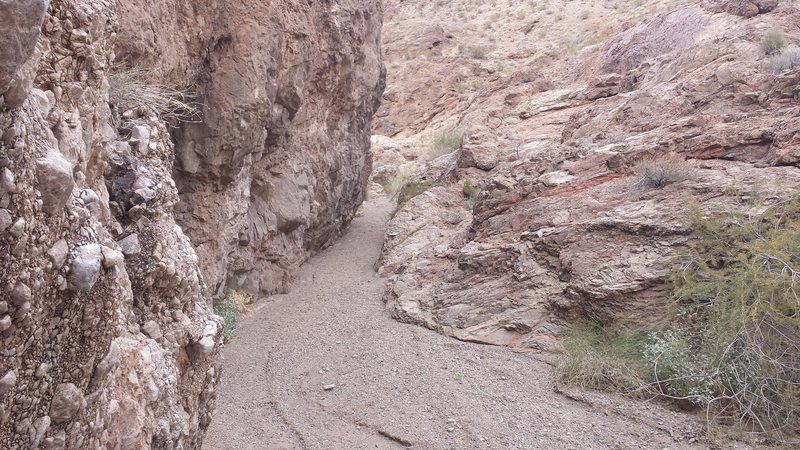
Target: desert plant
{"type": "Point", "coordinates": [469, 190]}
{"type": "Point", "coordinates": [734, 345]}
{"type": "Point", "coordinates": [772, 42]}
{"type": "Point", "coordinates": [131, 88]}
{"type": "Point", "coordinates": [737, 289]}
{"type": "Point", "coordinates": [446, 141]}
{"type": "Point", "coordinates": [234, 305]}
{"type": "Point", "coordinates": [657, 173]}
{"type": "Point", "coordinates": [787, 59]}
{"type": "Point", "coordinates": [607, 358]}
{"type": "Point", "coordinates": [475, 51]}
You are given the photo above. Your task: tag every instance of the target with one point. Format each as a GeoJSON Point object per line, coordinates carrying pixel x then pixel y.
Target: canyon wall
{"type": "Point", "coordinates": [119, 225]}
{"type": "Point", "coordinates": [559, 227]}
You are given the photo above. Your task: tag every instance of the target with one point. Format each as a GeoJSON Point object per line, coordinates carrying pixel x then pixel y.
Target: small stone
{"type": "Point", "coordinates": [152, 329]}
{"type": "Point", "coordinates": [6, 181]}
{"type": "Point", "coordinates": [130, 245]}
{"type": "Point", "coordinates": [3, 307]}
{"type": "Point", "coordinates": [5, 219]}
{"type": "Point", "coordinates": [5, 323]}
{"type": "Point", "coordinates": [111, 257]}
{"type": "Point", "coordinates": [42, 370]}
{"type": "Point", "coordinates": [67, 401]}
{"type": "Point", "coordinates": [58, 253]}
{"type": "Point", "coordinates": [7, 382]}
{"type": "Point", "coordinates": [54, 181]}
{"type": "Point", "coordinates": [205, 346]}
{"type": "Point", "coordinates": [18, 228]}
{"type": "Point", "coordinates": [85, 269]}
{"type": "Point", "coordinates": [38, 430]}
{"type": "Point", "coordinates": [450, 429]}
{"type": "Point", "coordinates": [328, 387]}
{"type": "Point", "coordinates": [21, 293]}
{"type": "Point", "coordinates": [109, 362]}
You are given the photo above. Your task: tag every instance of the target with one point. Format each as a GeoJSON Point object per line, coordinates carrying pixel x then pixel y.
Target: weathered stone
{"type": "Point", "coordinates": [54, 181]}
{"type": "Point", "coordinates": [5, 219]}
{"type": "Point", "coordinates": [21, 293]}
{"type": "Point", "coordinates": [6, 181]}
{"type": "Point", "coordinates": [38, 430]}
{"type": "Point", "coordinates": [18, 228]}
{"type": "Point", "coordinates": [20, 20]}
{"type": "Point", "coordinates": [8, 381]}
{"type": "Point", "coordinates": [151, 329]}
{"type": "Point", "coordinates": [111, 257]}
{"type": "Point", "coordinates": [85, 268]}
{"type": "Point", "coordinates": [67, 401]}
{"type": "Point", "coordinates": [58, 253]}
{"type": "Point", "coordinates": [130, 245]}
{"type": "Point", "coordinates": [5, 323]}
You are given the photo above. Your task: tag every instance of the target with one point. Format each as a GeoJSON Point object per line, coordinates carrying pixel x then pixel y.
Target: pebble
{"type": "Point", "coordinates": [328, 387]}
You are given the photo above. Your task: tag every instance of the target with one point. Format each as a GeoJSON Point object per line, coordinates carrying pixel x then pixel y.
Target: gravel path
{"type": "Point", "coordinates": [398, 385]}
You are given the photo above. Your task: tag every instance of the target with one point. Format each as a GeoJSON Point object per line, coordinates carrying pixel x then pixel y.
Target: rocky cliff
{"type": "Point", "coordinates": [564, 225]}
{"type": "Point", "coordinates": [120, 222]}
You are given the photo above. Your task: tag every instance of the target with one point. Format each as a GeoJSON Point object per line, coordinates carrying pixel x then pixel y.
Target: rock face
{"type": "Point", "coordinates": [278, 166]}
{"type": "Point", "coordinates": [563, 228]}
{"type": "Point", "coordinates": [107, 334]}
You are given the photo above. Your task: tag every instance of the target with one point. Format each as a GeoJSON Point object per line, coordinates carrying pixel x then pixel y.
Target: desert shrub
{"type": "Point", "coordinates": [773, 42]}
{"type": "Point", "coordinates": [234, 305]}
{"type": "Point", "coordinates": [410, 190]}
{"type": "Point", "coordinates": [737, 290]}
{"type": "Point", "coordinates": [468, 189]}
{"type": "Point", "coordinates": [475, 51]}
{"type": "Point", "coordinates": [734, 345]}
{"type": "Point", "coordinates": [657, 173]}
{"type": "Point", "coordinates": [445, 142]}
{"type": "Point", "coordinates": [131, 88]}
{"type": "Point", "coordinates": [787, 59]}
{"type": "Point", "coordinates": [607, 358]}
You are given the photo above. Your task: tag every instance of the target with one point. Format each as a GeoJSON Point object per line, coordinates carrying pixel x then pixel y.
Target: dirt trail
{"type": "Point", "coordinates": [397, 385]}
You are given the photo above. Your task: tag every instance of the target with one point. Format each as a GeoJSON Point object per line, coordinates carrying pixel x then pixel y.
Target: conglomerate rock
{"type": "Point", "coordinates": [107, 336]}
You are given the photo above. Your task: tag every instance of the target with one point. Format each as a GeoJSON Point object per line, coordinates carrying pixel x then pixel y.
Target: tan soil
{"type": "Point", "coordinates": [399, 385]}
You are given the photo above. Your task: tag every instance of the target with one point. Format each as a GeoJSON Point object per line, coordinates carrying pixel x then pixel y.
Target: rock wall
{"type": "Point", "coordinates": [106, 330]}
{"type": "Point", "coordinates": [278, 166]}
{"type": "Point", "coordinates": [563, 228]}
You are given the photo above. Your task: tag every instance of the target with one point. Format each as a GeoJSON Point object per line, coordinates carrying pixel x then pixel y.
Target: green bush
{"type": "Point", "coordinates": [734, 345]}
{"type": "Point", "coordinates": [773, 42]}
{"type": "Point", "coordinates": [469, 190]}
{"type": "Point", "coordinates": [230, 309]}
{"type": "Point", "coordinates": [737, 292]}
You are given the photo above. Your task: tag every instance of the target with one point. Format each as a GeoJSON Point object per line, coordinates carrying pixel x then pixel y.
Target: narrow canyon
{"type": "Point", "coordinates": [450, 224]}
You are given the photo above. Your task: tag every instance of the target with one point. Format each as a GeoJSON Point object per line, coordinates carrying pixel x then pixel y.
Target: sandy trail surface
{"type": "Point", "coordinates": [398, 385]}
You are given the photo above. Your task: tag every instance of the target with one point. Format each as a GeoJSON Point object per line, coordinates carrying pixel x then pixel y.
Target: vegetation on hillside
{"type": "Point", "coordinates": [734, 346]}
